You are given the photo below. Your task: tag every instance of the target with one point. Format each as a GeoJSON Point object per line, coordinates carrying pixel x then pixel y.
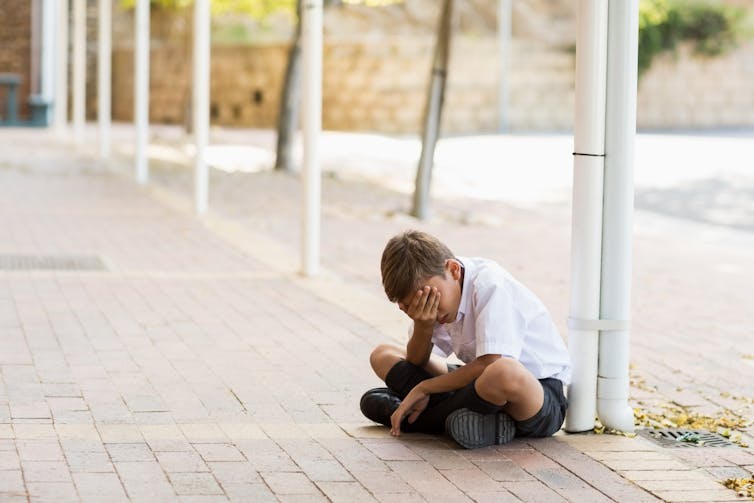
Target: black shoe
{"type": "Point", "coordinates": [378, 404]}
{"type": "Point", "coordinates": [472, 429]}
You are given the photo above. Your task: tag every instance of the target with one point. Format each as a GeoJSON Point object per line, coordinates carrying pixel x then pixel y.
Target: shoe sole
{"type": "Point", "coordinates": [473, 430]}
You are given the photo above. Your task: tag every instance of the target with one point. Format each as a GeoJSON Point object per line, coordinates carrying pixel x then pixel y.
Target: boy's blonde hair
{"type": "Point", "coordinates": [410, 258]}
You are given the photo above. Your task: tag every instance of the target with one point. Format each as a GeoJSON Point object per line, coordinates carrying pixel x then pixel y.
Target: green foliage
{"type": "Point", "coordinates": [713, 28]}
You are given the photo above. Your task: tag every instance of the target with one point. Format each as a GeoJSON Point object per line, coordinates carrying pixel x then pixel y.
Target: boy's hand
{"type": "Point", "coordinates": [413, 405]}
{"type": "Point", "coordinates": [423, 306]}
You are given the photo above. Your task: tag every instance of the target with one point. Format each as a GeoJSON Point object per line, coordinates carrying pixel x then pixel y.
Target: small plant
{"type": "Point", "coordinates": [713, 28]}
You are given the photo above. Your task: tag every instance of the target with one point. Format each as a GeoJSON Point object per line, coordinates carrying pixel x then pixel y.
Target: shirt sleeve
{"type": "Point", "coordinates": [496, 320]}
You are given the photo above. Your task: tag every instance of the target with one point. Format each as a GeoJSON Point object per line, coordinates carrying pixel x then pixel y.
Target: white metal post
{"type": "Point", "coordinates": [104, 56]}
{"type": "Point", "coordinates": [504, 18]}
{"type": "Point", "coordinates": [311, 35]}
{"type": "Point", "coordinates": [586, 235]}
{"type": "Point", "coordinates": [79, 69]}
{"type": "Point", "coordinates": [200, 106]}
{"type": "Point", "coordinates": [47, 78]}
{"type": "Point", "coordinates": [141, 90]}
{"type": "Point", "coordinates": [61, 68]}
{"type": "Point", "coordinates": [613, 382]}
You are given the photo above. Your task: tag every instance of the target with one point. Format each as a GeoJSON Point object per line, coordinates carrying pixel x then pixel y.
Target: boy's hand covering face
{"type": "Point", "coordinates": [423, 306]}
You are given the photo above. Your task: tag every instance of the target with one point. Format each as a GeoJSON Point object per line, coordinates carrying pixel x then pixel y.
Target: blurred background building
{"type": "Point", "coordinates": [377, 65]}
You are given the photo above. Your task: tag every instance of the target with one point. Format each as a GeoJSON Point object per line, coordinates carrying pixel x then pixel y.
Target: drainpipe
{"type": "Point", "coordinates": [586, 236]}
{"type": "Point", "coordinates": [613, 381]}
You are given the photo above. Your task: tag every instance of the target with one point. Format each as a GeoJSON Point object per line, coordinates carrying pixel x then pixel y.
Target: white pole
{"type": "Point", "coordinates": [141, 90]}
{"type": "Point", "coordinates": [613, 383]}
{"type": "Point", "coordinates": [47, 80]}
{"type": "Point", "coordinates": [104, 56]}
{"type": "Point", "coordinates": [586, 237]}
{"type": "Point", "coordinates": [311, 35]}
{"type": "Point", "coordinates": [200, 106]}
{"type": "Point", "coordinates": [504, 18]}
{"type": "Point", "coordinates": [61, 69]}
{"type": "Point", "coordinates": [79, 69]}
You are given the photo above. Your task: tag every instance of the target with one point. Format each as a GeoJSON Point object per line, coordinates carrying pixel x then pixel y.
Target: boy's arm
{"type": "Point", "coordinates": [418, 398]}
{"type": "Point", "coordinates": [423, 310]}
{"type": "Point", "coordinates": [419, 346]}
{"type": "Point", "coordinates": [458, 378]}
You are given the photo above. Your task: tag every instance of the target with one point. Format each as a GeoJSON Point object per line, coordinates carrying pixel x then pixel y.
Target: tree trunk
{"type": "Point", "coordinates": [290, 102]}
{"type": "Point", "coordinates": [433, 113]}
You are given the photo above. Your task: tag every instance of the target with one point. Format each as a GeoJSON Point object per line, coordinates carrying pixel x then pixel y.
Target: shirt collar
{"type": "Point", "coordinates": [465, 303]}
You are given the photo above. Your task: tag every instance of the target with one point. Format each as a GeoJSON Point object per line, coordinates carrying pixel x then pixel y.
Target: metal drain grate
{"type": "Point", "coordinates": [686, 438]}
{"type": "Point", "coordinates": [51, 262]}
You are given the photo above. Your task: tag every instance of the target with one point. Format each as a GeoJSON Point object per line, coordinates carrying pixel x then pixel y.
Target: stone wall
{"type": "Point", "coordinates": [378, 81]}
{"type": "Point", "coordinates": [686, 90]}
{"type": "Point", "coordinates": [15, 50]}
{"type": "Point", "coordinates": [366, 87]}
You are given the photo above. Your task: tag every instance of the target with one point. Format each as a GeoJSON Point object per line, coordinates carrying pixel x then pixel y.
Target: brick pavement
{"type": "Point", "coordinates": [200, 366]}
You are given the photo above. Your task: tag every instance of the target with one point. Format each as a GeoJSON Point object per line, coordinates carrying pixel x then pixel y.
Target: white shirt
{"type": "Point", "coordinates": [498, 315]}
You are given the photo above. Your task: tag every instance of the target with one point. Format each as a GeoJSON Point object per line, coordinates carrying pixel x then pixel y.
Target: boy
{"type": "Point", "coordinates": [516, 363]}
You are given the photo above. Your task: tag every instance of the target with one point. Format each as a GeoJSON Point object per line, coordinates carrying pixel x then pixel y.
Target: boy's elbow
{"type": "Point", "coordinates": [418, 361]}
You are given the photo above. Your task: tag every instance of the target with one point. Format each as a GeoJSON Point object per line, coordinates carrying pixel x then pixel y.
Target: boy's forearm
{"type": "Point", "coordinates": [455, 380]}
{"type": "Point", "coordinates": [419, 346]}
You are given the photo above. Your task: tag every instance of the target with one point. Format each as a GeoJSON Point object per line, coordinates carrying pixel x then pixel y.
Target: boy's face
{"type": "Point", "coordinates": [449, 288]}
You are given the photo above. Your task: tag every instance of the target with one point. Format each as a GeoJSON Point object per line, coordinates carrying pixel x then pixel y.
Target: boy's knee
{"type": "Point", "coordinates": [383, 357]}
{"type": "Point", "coordinates": [503, 377]}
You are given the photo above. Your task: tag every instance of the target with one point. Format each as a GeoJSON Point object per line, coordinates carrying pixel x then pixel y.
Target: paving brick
{"type": "Point", "coordinates": [495, 497]}
{"type": "Point", "coordinates": [468, 480]}
{"type": "Point", "coordinates": [391, 450]}
{"type": "Point", "coordinates": [144, 480]}
{"type": "Point", "coordinates": [662, 475]}
{"type": "Point", "coordinates": [219, 452]}
{"type": "Point", "coordinates": [102, 486]}
{"type": "Point", "coordinates": [242, 492]}
{"type": "Point", "coordinates": [194, 484]}
{"type": "Point", "coordinates": [699, 495]}
{"type": "Point", "coordinates": [504, 470]}
{"type": "Point", "coordinates": [130, 452]}
{"type": "Point", "coordinates": [45, 471]}
{"type": "Point", "coordinates": [63, 492]}
{"type": "Point", "coordinates": [265, 456]}
{"type": "Point", "coordinates": [35, 433]}
{"type": "Point", "coordinates": [288, 483]}
{"type": "Point", "coordinates": [234, 472]}
{"type": "Point", "coordinates": [699, 484]}
{"type": "Point", "coordinates": [422, 476]}
{"type": "Point", "coordinates": [533, 491]}
{"type": "Point", "coordinates": [11, 481]}
{"type": "Point", "coordinates": [404, 497]}
{"type": "Point", "coordinates": [344, 491]}
{"type": "Point", "coordinates": [119, 433]}
{"type": "Point", "coordinates": [638, 465]}
{"type": "Point", "coordinates": [584, 494]}
{"type": "Point", "coordinates": [382, 482]}
{"type": "Point", "coordinates": [327, 470]}
{"type": "Point", "coordinates": [181, 461]}
{"type": "Point", "coordinates": [90, 462]}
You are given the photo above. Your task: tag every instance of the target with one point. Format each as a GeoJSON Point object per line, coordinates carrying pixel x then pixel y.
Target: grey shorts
{"type": "Point", "coordinates": [550, 417]}
{"type": "Point", "coordinates": [404, 376]}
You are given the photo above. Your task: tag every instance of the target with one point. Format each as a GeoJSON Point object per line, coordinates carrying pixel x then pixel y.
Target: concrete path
{"type": "Point", "coordinates": [154, 356]}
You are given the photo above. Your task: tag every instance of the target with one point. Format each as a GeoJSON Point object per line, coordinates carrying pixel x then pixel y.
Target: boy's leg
{"type": "Point", "coordinates": [537, 407]}
{"type": "Point", "coordinates": [385, 356]}
{"type": "Point", "coordinates": [400, 376]}
{"type": "Point", "coordinates": [507, 383]}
